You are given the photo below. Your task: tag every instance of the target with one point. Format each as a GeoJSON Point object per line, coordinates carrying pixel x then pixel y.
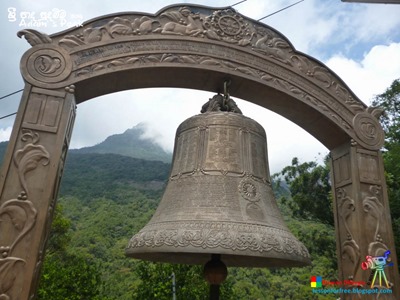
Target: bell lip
{"type": "Point", "coordinates": [231, 259]}
{"type": "Point", "coordinates": [176, 249]}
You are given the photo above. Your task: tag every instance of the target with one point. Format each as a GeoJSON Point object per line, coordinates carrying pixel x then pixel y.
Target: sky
{"type": "Point", "coordinates": [359, 42]}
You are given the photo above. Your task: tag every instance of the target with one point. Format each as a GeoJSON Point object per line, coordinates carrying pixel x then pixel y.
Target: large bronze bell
{"type": "Point", "coordinates": [219, 198]}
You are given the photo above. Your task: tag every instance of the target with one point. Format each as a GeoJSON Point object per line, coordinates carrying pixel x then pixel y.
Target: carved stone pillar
{"type": "Point", "coordinates": [35, 155]}
{"type": "Point", "coordinates": [362, 218]}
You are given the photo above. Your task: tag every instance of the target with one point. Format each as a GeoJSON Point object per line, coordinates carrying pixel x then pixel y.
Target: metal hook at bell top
{"type": "Point", "coordinates": [227, 83]}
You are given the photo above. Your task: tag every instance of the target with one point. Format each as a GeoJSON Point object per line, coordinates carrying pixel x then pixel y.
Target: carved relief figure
{"type": "Point", "coordinates": [274, 47]}
{"type": "Point", "coordinates": [183, 23]}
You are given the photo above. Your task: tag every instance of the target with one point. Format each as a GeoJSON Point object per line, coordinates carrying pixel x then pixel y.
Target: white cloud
{"type": "Point", "coordinates": [374, 21]}
{"type": "Point", "coordinates": [5, 134]}
{"type": "Point", "coordinates": [373, 74]}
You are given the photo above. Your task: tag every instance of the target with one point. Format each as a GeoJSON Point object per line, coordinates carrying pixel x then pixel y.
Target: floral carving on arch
{"type": "Point", "coordinates": [198, 40]}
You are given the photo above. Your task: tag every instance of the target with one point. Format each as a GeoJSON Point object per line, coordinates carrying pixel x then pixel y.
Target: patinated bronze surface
{"type": "Point", "coordinates": [219, 199]}
{"type": "Point", "coordinates": [135, 50]}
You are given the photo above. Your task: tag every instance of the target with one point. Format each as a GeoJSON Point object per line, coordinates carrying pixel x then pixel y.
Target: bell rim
{"type": "Point", "coordinates": [193, 257]}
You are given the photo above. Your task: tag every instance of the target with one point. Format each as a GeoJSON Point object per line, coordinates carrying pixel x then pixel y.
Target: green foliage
{"type": "Point", "coordinates": [390, 102]}
{"type": "Point", "coordinates": [69, 276]}
{"type": "Point", "coordinates": [310, 189]}
{"type": "Point", "coordinates": [319, 238]}
{"type": "Point", "coordinates": [66, 275]}
{"type": "Point", "coordinates": [156, 282]}
{"type": "Point", "coordinates": [101, 230]}
{"type": "Point", "coordinates": [60, 235]}
{"type": "Point", "coordinates": [98, 175]}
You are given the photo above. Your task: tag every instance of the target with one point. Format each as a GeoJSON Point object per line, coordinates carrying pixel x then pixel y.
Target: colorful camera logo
{"type": "Point", "coordinates": [377, 265]}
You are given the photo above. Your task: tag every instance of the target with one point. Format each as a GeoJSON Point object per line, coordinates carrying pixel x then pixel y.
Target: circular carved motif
{"type": "Point", "coordinates": [368, 130]}
{"type": "Point", "coordinates": [229, 25]}
{"type": "Point", "coordinates": [48, 65]}
{"type": "Point", "coordinates": [249, 190]}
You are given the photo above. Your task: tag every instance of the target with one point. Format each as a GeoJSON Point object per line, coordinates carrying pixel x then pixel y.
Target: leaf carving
{"type": "Point", "coordinates": [244, 42]}
{"type": "Point", "coordinates": [346, 208]}
{"type": "Point", "coordinates": [7, 274]}
{"type": "Point", "coordinates": [117, 62]}
{"type": "Point", "coordinates": [132, 60]}
{"type": "Point", "coordinates": [188, 59]}
{"type": "Point", "coordinates": [212, 35]}
{"type": "Point", "coordinates": [169, 58]}
{"type": "Point", "coordinates": [230, 65]}
{"type": "Point", "coordinates": [146, 25]}
{"type": "Point", "coordinates": [322, 75]}
{"type": "Point", "coordinates": [247, 71]}
{"type": "Point", "coordinates": [374, 207]}
{"type": "Point", "coordinates": [352, 251]}
{"type": "Point", "coordinates": [152, 58]}
{"type": "Point", "coordinates": [34, 37]}
{"type": "Point", "coordinates": [22, 214]}
{"type": "Point", "coordinates": [83, 71]}
{"type": "Point", "coordinates": [119, 26]}
{"type": "Point", "coordinates": [27, 159]}
{"type": "Point", "coordinates": [211, 62]}
{"type": "Point", "coordinates": [97, 67]}
{"type": "Point", "coordinates": [71, 41]}
{"type": "Point", "coordinates": [172, 15]}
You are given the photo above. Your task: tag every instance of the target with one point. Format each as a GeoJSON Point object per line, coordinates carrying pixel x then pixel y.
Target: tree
{"type": "Point", "coordinates": [310, 189]}
{"type": "Point", "coordinates": [390, 121]}
{"type": "Point", "coordinates": [390, 102]}
{"type": "Point", "coordinates": [156, 282]}
{"type": "Point", "coordinates": [66, 275]}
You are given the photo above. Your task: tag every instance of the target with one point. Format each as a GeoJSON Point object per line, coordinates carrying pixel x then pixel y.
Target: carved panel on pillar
{"type": "Point", "coordinates": [342, 169]}
{"type": "Point", "coordinates": [368, 166]}
{"type": "Point", "coordinates": [349, 248]}
{"type": "Point", "coordinates": [19, 215]}
{"type": "Point", "coordinates": [31, 179]}
{"type": "Point", "coordinates": [362, 216]}
{"type": "Point", "coordinates": [44, 110]}
{"type": "Point", "coordinates": [373, 225]}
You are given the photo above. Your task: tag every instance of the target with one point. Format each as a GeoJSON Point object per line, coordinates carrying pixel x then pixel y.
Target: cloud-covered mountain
{"type": "Point", "coordinates": [130, 143]}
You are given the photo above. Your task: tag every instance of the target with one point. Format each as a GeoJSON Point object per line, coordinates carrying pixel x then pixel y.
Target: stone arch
{"type": "Point", "coordinates": [193, 47]}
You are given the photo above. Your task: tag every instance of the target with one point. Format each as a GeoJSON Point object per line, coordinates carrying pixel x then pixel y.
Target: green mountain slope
{"type": "Point", "coordinates": [91, 175]}
{"type": "Point", "coordinates": [130, 143]}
